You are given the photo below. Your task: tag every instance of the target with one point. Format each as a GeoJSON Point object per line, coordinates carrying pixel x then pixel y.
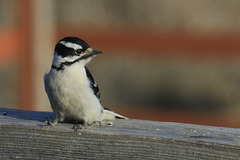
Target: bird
{"type": "Point", "coordinates": [73, 93]}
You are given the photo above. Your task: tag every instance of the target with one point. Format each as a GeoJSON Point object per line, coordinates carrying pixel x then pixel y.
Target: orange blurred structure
{"type": "Point", "coordinates": [15, 43]}
{"type": "Point", "coordinates": [140, 41]}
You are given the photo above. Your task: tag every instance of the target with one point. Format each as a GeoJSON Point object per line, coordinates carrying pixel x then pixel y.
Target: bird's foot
{"type": "Point", "coordinates": [48, 122]}
{"type": "Point", "coordinates": [109, 123]}
{"type": "Point", "coordinates": [76, 127]}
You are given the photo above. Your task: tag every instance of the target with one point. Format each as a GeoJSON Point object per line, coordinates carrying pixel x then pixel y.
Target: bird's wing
{"type": "Point", "coordinates": [93, 84]}
{"type": "Point", "coordinates": [107, 114]}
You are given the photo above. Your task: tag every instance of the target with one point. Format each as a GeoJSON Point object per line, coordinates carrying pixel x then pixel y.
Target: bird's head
{"type": "Point", "coordinates": [71, 50]}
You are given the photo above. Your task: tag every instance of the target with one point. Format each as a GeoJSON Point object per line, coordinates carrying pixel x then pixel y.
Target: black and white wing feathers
{"type": "Point", "coordinates": [93, 84]}
{"type": "Point", "coordinates": [107, 114]}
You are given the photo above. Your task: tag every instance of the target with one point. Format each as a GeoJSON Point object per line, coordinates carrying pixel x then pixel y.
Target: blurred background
{"type": "Point", "coordinates": [167, 60]}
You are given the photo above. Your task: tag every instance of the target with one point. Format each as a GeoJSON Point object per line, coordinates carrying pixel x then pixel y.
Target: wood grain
{"type": "Point", "coordinates": [22, 136]}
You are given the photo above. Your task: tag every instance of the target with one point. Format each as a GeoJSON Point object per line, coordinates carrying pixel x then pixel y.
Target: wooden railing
{"type": "Point", "coordinates": [22, 136]}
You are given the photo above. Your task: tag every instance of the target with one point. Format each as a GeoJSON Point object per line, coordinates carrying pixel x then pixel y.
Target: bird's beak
{"type": "Point", "coordinates": [96, 52]}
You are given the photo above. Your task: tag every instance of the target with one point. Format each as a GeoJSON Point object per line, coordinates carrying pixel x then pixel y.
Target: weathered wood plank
{"type": "Point", "coordinates": [22, 136]}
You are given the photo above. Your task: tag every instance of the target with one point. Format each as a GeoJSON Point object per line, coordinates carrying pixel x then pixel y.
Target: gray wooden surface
{"type": "Point", "coordinates": [23, 137]}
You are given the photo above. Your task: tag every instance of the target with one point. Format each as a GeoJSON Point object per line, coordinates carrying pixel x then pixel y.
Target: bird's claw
{"type": "Point", "coordinates": [48, 122]}
{"type": "Point", "coordinates": [76, 127]}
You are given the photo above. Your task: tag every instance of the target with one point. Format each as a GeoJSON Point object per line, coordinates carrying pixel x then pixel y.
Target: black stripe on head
{"type": "Point", "coordinates": [64, 51]}
{"type": "Point", "coordinates": [76, 41]}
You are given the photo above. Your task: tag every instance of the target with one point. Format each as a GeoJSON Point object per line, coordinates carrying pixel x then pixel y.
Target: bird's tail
{"type": "Point", "coordinates": [110, 115]}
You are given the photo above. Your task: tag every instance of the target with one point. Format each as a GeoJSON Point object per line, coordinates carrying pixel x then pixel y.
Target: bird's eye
{"type": "Point", "coordinates": [78, 51]}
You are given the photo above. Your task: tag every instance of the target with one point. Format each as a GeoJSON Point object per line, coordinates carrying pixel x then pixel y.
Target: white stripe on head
{"type": "Point", "coordinates": [71, 45]}
{"type": "Point", "coordinates": [57, 59]}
